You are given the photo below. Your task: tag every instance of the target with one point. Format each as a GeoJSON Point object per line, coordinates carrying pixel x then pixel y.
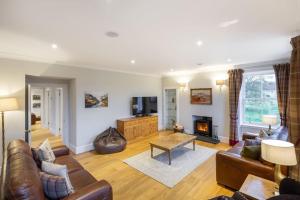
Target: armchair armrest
{"type": "Point", "coordinates": [249, 135]}
{"type": "Point", "coordinates": [100, 190]}
{"type": "Point", "coordinates": [289, 186]}
{"type": "Point", "coordinates": [61, 151]}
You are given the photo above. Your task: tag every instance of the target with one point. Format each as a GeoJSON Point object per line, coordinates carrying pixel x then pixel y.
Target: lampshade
{"type": "Point", "coordinates": [278, 152]}
{"type": "Point", "coordinates": [8, 104]}
{"type": "Point", "coordinates": [220, 82]}
{"type": "Point", "coordinates": [269, 119]}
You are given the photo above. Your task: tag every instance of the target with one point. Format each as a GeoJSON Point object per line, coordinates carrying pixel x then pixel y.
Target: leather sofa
{"type": "Point", "coordinates": [232, 169]}
{"type": "Point", "coordinates": [22, 179]}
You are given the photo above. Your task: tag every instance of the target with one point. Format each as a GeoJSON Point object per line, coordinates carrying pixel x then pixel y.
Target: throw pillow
{"type": "Point", "coordinates": [58, 170]}
{"type": "Point", "coordinates": [55, 187]}
{"type": "Point", "coordinates": [252, 152]}
{"type": "Point", "coordinates": [252, 142]}
{"type": "Point", "coordinates": [36, 156]}
{"type": "Point", "coordinates": [46, 152]}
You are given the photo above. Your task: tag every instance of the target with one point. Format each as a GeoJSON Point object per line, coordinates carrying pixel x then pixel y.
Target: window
{"type": "Point", "coordinates": [259, 98]}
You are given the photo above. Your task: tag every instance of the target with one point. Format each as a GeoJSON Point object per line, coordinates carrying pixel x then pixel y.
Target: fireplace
{"type": "Point", "coordinates": [202, 126]}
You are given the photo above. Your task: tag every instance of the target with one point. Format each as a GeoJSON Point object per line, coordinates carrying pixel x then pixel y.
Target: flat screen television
{"type": "Point", "coordinates": [144, 105]}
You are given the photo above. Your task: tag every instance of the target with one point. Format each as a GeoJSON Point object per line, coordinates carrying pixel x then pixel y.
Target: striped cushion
{"type": "Point", "coordinates": [55, 187]}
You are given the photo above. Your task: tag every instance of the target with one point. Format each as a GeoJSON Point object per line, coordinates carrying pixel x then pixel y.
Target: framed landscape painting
{"type": "Point", "coordinates": [201, 96]}
{"type": "Point", "coordinates": [96, 100]}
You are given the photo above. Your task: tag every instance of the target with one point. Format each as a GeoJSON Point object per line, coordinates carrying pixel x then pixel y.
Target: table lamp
{"type": "Point", "coordinates": [280, 153]}
{"type": "Point", "coordinates": [6, 104]}
{"type": "Point", "coordinates": [269, 120]}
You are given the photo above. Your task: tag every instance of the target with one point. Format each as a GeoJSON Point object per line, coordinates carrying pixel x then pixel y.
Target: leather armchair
{"type": "Point", "coordinates": [232, 169]}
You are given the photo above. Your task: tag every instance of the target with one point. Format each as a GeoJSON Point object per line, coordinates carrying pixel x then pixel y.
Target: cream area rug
{"type": "Point", "coordinates": [184, 161]}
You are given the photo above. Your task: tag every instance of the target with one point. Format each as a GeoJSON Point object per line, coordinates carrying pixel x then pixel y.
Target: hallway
{"type": "Point", "coordinates": [39, 134]}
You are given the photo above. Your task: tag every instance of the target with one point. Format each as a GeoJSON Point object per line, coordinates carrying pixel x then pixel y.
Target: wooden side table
{"type": "Point", "coordinates": [257, 188]}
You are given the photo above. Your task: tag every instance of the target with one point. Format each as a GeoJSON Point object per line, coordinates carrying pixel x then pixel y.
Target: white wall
{"type": "Point", "coordinates": [219, 110]}
{"type": "Point", "coordinates": [87, 122]}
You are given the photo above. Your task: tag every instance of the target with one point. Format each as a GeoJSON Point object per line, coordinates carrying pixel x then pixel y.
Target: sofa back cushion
{"type": "Point", "coordinates": [22, 175]}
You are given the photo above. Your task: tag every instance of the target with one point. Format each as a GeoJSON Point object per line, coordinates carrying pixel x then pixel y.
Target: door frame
{"type": "Point", "coordinates": [59, 117]}
{"type": "Point", "coordinates": [165, 107]}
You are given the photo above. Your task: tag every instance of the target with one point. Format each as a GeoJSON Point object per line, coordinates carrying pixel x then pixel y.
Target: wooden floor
{"type": "Point", "coordinates": [129, 184]}
{"type": "Point", "coordinates": [39, 134]}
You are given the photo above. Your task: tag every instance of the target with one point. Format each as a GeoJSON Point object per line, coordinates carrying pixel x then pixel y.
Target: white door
{"type": "Point", "coordinates": [59, 111]}
{"type": "Point", "coordinates": [170, 104]}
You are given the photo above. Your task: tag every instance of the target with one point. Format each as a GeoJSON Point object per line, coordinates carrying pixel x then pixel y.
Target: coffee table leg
{"type": "Point", "coordinates": [151, 151]}
{"type": "Point", "coordinates": [194, 145]}
{"type": "Point", "coordinates": [169, 152]}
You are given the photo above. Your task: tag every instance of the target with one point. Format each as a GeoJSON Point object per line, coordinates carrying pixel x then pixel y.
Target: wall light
{"type": "Point", "coordinates": [220, 83]}
{"type": "Point", "coordinates": [183, 83]}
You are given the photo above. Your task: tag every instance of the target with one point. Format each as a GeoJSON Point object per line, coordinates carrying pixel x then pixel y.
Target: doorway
{"type": "Point", "coordinates": [170, 108]}
{"type": "Point", "coordinates": [48, 110]}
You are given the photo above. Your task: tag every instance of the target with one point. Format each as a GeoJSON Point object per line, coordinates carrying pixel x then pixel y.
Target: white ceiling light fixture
{"type": "Point", "coordinates": [172, 70]}
{"type": "Point", "coordinates": [228, 23]}
{"type": "Point", "coordinates": [132, 61]}
{"type": "Point", "coordinates": [229, 60]}
{"type": "Point", "coordinates": [54, 46]}
{"type": "Point", "coordinates": [112, 34]}
{"type": "Point", "coordinates": [199, 43]}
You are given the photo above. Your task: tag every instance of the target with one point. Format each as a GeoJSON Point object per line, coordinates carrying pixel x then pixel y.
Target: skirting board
{"type": "Point", "coordinates": [81, 149]}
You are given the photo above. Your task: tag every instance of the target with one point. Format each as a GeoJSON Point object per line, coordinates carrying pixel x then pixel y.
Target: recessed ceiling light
{"type": "Point", "coordinates": [54, 46]}
{"type": "Point", "coordinates": [172, 70]}
{"type": "Point", "coordinates": [228, 23]}
{"type": "Point", "coordinates": [112, 34]}
{"type": "Point", "coordinates": [229, 60]}
{"type": "Point", "coordinates": [132, 61]}
{"type": "Point", "coordinates": [199, 43]}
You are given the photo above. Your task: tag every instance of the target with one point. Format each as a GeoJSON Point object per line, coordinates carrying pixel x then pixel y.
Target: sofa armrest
{"type": "Point", "coordinates": [60, 151]}
{"type": "Point", "coordinates": [249, 135]}
{"type": "Point", "coordinates": [100, 190]}
{"type": "Point", "coordinates": [232, 169]}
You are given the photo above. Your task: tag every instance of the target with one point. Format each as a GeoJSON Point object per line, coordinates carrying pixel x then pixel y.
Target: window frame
{"type": "Point", "coordinates": [241, 100]}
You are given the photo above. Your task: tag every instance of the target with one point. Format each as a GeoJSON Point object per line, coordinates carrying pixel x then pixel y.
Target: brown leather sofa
{"type": "Point", "coordinates": [23, 182]}
{"type": "Point", "coordinates": [232, 169]}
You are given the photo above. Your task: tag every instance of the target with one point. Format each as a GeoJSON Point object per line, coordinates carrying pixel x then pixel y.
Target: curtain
{"type": "Point", "coordinates": [294, 102]}
{"type": "Point", "coordinates": [235, 83]}
{"type": "Point", "coordinates": [282, 73]}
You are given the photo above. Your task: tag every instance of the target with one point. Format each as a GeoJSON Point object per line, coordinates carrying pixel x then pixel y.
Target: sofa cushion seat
{"type": "Point", "coordinates": [81, 178]}
{"type": "Point", "coordinates": [72, 164]}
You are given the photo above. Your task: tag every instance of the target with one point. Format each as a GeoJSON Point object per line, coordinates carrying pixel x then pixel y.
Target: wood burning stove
{"type": "Point", "coordinates": [203, 126]}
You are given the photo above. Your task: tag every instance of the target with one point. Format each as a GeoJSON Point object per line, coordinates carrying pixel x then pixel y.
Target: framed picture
{"type": "Point", "coordinates": [93, 100]}
{"type": "Point", "coordinates": [36, 105]}
{"type": "Point", "coordinates": [201, 96]}
{"type": "Point", "coordinates": [36, 97]}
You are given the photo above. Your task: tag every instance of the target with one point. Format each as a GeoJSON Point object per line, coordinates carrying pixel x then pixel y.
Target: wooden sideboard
{"type": "Point", "coordinates": [134, 127]}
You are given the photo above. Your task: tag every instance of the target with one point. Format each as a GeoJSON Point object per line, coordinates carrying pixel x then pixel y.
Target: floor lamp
{"type": "Point", "coordinates": [6, 104]}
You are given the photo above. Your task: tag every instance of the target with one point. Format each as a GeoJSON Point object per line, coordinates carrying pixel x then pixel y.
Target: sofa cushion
{"type": "Point", "coordinates": [55, 187]}
{"type": "Point", "coordinates": [252, 152]}
{"type": "Point", "coordinates": [58, 170]}
{"type": "Point", "coordinates": [81, 178]}
{"type": "Point", "coordinates": [46, 152]}
{"type": "Point", "coordinates": [68, 160]}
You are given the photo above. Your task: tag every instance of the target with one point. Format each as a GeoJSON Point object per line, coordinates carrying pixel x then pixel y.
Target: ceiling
{"type": "Point", "coordinates": [160, 35]}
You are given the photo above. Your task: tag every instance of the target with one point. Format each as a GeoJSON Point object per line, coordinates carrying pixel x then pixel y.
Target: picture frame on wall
{"type": "Point", "coordinates": [36, 105]}
{"type": "Point", "coordinates": [201, 96]}
{"type": "Point", "coordinates": [96, 100]}
{"type": "Point", "coordinates": [36, 97]}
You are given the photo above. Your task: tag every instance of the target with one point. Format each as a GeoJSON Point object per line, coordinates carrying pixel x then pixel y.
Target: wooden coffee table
{"type": "Point", "coordinates": [170, 142]}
